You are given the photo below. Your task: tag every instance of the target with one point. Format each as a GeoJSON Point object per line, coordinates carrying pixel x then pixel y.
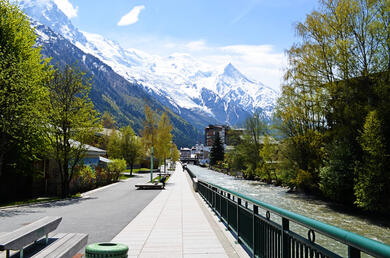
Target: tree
{"type": "Point", "coordinates": [217, 151]}
{"type": "Point", "coordinates": [149, 133]}
{"type": "Point", "coordinates": [268, 155]}
{"type": "Point", "coordinates": [114, 145]}
{"type": "Point", "coordinates": [331, 84]}
{"type": "Point", "coordinates": [115, 168]}
{"type": "Point", "coordinates": [108, 121]}
{"type": "Point", "coordinates": [164, 139]}
{"type": "Point", "coordinates": [72, 121]}
{"type": "Point", "coordinates": [23, 95]}
{"type": "Point", "coordinates": [373, 180]}
{"type": "Point", "coordinates": [130, 146]}
{"type": "Point", "coordinates": [175, 155]}
{"type": "Point", "coordinates": [248, 151]}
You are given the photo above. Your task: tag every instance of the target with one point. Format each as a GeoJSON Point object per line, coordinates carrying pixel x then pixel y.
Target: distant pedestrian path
{"type": "Point", "coordinates": [172, 225]}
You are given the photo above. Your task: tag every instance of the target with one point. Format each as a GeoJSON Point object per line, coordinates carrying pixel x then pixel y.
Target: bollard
{"type": "Point", "coordinates": [102, 250]}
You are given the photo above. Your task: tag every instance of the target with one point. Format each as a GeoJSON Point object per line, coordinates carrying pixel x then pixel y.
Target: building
{"type": "Point", "coordinates": [185, 153]}
{"type": "Point", "coordinates": [212, 130]}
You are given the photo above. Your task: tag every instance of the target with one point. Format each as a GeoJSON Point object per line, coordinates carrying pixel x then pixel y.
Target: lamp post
{"type": "Point", "coordinates": [151, 166]}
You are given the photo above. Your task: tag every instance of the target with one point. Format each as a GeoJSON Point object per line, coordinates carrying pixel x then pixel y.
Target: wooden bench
{"type": "Point", "coordinates": [21, 237]}
{"type": "Point", "coordinates": [150, 186]}
{"type": "Point", "coordinates": [65, 245]}
{"type": "Point", "coordinates": [61, 245]}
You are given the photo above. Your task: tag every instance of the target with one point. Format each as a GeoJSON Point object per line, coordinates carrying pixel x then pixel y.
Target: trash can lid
{"type": "Point", "coordinates": [106, 248]}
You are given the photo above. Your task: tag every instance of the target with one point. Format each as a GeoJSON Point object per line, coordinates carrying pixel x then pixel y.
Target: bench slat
{"type": "Point", "coordinates": [25, 235]}
{"type": "Point", "coordinates": [67, 245]}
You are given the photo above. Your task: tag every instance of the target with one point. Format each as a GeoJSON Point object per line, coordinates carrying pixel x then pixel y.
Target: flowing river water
{"type": "Point", "coordinates": [301, 204]}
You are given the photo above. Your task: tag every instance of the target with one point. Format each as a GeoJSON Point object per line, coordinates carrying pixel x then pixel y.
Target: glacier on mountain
{"type": "Point", "coordinates": [179, 80]}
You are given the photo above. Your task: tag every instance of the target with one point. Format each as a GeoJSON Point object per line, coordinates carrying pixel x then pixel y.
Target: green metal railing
{"type": "Point", "coordinates": [263, 237]}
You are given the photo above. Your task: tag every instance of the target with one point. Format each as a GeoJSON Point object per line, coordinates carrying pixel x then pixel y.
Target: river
{"type": "Point", "coordinates": [301, 204]}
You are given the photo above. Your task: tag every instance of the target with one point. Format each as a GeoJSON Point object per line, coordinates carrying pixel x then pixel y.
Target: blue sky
{"type": "Point", "coordinates": [252, 34]}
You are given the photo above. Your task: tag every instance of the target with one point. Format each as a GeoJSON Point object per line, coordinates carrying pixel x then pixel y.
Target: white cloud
{"type": "Point", "coordinates": [67, 8]}
{"type": "Point", "coordinates": [198, 45]}
{"type": "Point", "coordinates": [132, 16]}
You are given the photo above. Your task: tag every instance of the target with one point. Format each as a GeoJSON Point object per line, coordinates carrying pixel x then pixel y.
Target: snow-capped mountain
{"type": "Point", "coordinates": [189, 87]}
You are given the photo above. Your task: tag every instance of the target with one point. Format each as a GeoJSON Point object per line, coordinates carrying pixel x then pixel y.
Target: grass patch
{"type": "Point", "coordinates": [125, 176]}
{"type": "Point", "coordinates": [157, 178]}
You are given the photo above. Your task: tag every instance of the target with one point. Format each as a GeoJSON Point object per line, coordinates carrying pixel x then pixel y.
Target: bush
{"type": "Point", "coordinates": [102, 176]}
{"type": "Point", "coordinates": [115, 167]}
{"type": "Point", "coordinates": [83, 180]}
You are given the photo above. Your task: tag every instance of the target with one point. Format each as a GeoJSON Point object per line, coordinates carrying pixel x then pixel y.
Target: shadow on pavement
{"type": "Point", "coordinates": [12, 211]}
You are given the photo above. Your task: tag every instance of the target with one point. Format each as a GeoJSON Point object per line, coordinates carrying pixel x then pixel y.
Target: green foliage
{"type": "Point", "coordinates": [130, 147]}
{"type": "Point", "coordinates": [72, 121]}
{"type": "Point", "coordinates": [373, 175]}
{"type": "Point", "coordinates": [336, 176]}
{"type": "Point", "coordinates": [164, 139]}
{"type": "Point", "coordinates": [114, 145]}
{"type": "Point", "coordinates": [83, 180]}
{"type": "Point", "coordinates": [217, 151]}
{"type": "Point", "coordinates": [23, 95]}
{"type": "Point", "coordinates": [337, 73]}
{"type": "Point", "coordinates": [108, 121]}
{"type": "Point", "coordinates": [115, 168]}
{"type": "Point", "coordinates": [248, 150]}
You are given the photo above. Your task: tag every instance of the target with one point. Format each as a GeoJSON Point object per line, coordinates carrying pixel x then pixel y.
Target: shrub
{"type": "Point", "coordinates": [115, 167]}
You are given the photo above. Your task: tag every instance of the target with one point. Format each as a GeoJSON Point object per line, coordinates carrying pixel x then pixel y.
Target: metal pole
{"type": "Point", "coordinates": [151, 165]}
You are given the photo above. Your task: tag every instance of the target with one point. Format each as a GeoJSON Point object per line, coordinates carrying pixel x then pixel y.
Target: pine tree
{"type": "Point", "coordinates": [217, 151]}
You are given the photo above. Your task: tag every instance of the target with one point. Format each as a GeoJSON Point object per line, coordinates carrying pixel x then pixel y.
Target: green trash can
{"type": "Point", "coordinates": [101, 250]}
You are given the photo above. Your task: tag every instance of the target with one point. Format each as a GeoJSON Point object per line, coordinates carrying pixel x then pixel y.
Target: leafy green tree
{"type": "Point", "coordinates": [337, 174]}
{"type": "Point", "coordinates": [114, 145]}
{"type": "Point", "coordinates": [175, 155]}
{"type": "Point", "coordinates": [331, 83]}
{"type": "Point", "coordinates": [23, 95]}
{"type": "Point", "coordinates": [149, 132]}
{"type": "Point", "coordinates": [130, 147]}
{"type": "Point", "coordinates": [248, 151]}
{"type": "Point", "coordinates": [72, 122]}
{"type": "Point", "coordinates": [115, 168]}
{"type": "Point", "coordinates": [373, 180]}
{"type": "Point", "coordinates": [108, 121]}
{"type": "Point", "coordinates": [164, 139]}
{"type": "Point", "coordinates": [217, 151]}
{"type": "Point", "coordinates": [268, 154]}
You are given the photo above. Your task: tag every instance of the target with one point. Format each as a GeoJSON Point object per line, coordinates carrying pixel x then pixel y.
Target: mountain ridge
{"type": "Point", "coordinates": [179, 81]}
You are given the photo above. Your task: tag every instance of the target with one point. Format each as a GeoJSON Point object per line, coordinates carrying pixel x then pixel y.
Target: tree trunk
{"type": "Point", "coordinates": [2, 152]}
{"type": "Point", "coordinates": [131, 169]}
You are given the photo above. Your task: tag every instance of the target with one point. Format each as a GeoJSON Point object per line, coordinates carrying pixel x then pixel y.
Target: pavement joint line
{"type": "Point", "coordinates": [155, 222]}
{"type": "Point", "coordinates": [225, 236]}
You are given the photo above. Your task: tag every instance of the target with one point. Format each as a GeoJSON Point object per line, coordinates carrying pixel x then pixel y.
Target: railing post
{"type": "Point", "coordinates": [238, 219]}
{"type": "Point", "coordinates": [254, 213]}
{"type": "Point", "coordinates": [227, 209]}
{"type": "Point", "coordinates": [353, 252]}
{"type": "Point", "coordinates": [285, 240]}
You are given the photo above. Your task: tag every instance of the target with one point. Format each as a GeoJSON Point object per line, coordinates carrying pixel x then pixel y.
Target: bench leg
{"type": "Point", "coordinates": [47, 239]}
{"type": "Point", "coordinates": [7, 253]}
{"type": "Point", "coordinates": [21, 253]}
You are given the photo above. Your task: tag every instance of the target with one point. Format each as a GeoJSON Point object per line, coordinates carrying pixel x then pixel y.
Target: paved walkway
{"type": "Point", "coordinates": [172, 225]}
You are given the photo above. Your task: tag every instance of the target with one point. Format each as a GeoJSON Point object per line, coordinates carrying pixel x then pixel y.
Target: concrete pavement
{"type": "Point", "coordinates": [175, 225]}
{"type": "Point", "coordinates": [101, 213]}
